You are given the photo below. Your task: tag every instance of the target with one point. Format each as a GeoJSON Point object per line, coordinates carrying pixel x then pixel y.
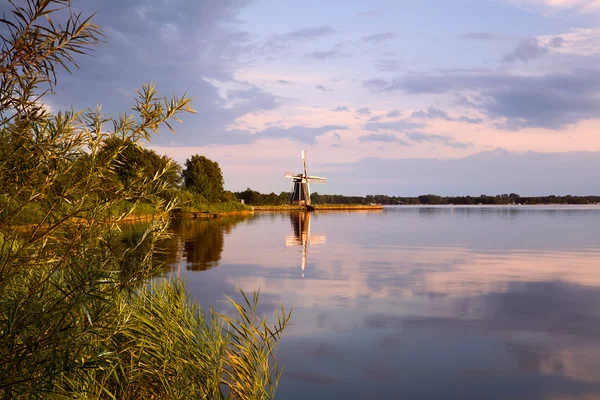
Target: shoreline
{"type": "Point", "coordinates": [322, 207]}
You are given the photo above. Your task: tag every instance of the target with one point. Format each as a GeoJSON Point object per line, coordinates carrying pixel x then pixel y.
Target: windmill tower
{"type": "Point", "coordinates": [300, 189]}
{"type": "Point", "coordinates": [301, 235]}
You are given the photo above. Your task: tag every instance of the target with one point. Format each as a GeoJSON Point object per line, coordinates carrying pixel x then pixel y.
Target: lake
{"type": "Point", "coordinates": [415, 302]}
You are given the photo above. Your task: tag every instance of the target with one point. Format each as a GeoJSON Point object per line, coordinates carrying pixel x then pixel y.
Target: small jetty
{"type": "Point", "coordinates": [178, 213]}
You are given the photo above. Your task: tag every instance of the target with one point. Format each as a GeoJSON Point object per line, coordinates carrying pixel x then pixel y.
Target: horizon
{"type": "Point", "coordinates": [400, 98]}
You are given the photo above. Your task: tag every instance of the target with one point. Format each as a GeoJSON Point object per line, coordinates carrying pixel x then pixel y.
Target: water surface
{"type": "Point", "coordinates": [415, 302]}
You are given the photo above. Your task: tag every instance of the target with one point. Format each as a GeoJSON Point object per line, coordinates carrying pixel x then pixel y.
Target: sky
{"type": "Point", "coordinates": [452, 97]}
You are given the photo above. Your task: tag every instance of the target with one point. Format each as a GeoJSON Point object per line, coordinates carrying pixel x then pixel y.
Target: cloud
{"type": "Point", "coordinates": [394, 114]}
{"type": "Point", "coordinates": [431, 112]}
{"type": "Point", "coordinates": [363, 111]}
{"type": "Point", "coordinates": [549, 100]}
{"type": "Point", "coordinates": [284, 82]}
{"type": "Point", "coordinates": [378, 85]}
{"type": "Point", "coordinates": [382, 137]}
{"type": "Point", "coordinates": [374, 119]}
{"type": "Point", "coordinates": [485, 36]}
{"type": "Point", "coordinates": [556, 42]}
{"type": "Point", "coordinates": [582, 42]}
{"type": "Point", "coordinates": [580, 6]}
{"type": "Point", "coordinates": [191, 47]}
{"type": "Point", "coordinates": [300, 134]}
{"type": "Point", "coordinates": [527, 49]}
{"type": "Point", "coordinates": [387, 65]}
{"type": "Point", "coordinates": [470, 120]}
{"type": "Point", "coordinates": [397, 126]}
{"type": "Point", "coordinates": [371, 13]}
{"type": "Point", "coordinates": [336, 136]}
{"type": "Point", "coordinates": [419, 137]}
{"type": "Point", "coordinates": [341, 109]}
{"type": "Point", "coordinates": [254, 99]}
{"type": "Point", "coordinates": [379, 37]}
{"type": "Point", "coordinates": [306, 34]}
{"type": "Point", "coordinates": [335, 52]}
{"type": "Point", "coordinates": [323, 88]}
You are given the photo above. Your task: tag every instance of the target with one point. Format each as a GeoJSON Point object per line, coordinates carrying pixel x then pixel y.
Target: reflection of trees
{"type": "Point", "coordinates": [199, 242]}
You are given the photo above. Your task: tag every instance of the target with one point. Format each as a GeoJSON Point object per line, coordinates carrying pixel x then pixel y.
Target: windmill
{"type": "Point", "coordinates": [300, 189]}
{"type": "Point", "coordinates": [301, 235]}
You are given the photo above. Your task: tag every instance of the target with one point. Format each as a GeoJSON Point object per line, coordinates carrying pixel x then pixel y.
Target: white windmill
{"type": "Point", "coordinates": [300, 189]}
{"type": "Point", "coordinates": [301, 235]}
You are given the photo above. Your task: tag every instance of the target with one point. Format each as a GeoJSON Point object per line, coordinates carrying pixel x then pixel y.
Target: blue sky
{"type": "Point", "coordinates": [394, 97]}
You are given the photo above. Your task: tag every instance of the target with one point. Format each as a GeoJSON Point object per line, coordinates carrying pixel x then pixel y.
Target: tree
{"type": "Point", "coordinates": [134, 160]}
{"type": "Point", "coordinates": [204, 177]}
{"type": "Point", "coordinates": [78, 318]}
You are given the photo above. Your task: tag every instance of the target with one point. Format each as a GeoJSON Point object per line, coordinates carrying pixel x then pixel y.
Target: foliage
{"type": "Point", "coordinates": [77, 319]}
{"type": "Point", "coordinates": [255, 198]}
{"type": "Point", "coordinates": [190, 201]}
{"type": "Point", "coordinates": [258, 199]}
{"type": "Point", "coordinates": [204, 177]}
{"type": "Point", "coordinates": [231, 206]}
{"type": "Point", "coordinates": [134, 158]}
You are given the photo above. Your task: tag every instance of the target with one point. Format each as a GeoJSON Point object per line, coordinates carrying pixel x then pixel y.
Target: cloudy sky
{"type": "Point", "coordinates": [388, 96]}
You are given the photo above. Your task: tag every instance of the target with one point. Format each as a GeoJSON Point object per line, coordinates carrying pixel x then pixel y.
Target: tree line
{"type": "Point", "coordinates": [253, 197]}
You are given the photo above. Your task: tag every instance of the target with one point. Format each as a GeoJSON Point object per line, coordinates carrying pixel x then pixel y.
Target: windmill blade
{"type": "Point", "coordinates": [304, 161]}
{"type": "Point", "coordinates": [316, 178]}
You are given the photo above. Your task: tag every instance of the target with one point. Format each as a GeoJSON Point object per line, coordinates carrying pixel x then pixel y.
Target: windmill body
{"type": "Point", "coordinates": [300, 185]}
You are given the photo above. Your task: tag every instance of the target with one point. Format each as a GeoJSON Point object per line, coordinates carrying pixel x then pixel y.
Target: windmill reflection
{"type": "Point", "coordinates": [301, 235]}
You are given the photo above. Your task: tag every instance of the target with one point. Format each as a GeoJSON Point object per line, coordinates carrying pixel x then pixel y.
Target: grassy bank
{"type": "Point", "coordinates": [217, 208]}
{"type": "Point", "coordinates": [320, 207]}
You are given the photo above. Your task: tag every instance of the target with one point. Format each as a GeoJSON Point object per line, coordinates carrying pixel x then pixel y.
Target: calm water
{"type": "Point", "coordinates": [416, 302]}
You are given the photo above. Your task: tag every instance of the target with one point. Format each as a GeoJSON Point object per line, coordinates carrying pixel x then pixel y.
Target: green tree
{"type": "Point", "coordinates": [133, 160]}
{"type": "Point", "coordinates": [78, 318]}
{"type": "Point", "coordinates": [204, 177]}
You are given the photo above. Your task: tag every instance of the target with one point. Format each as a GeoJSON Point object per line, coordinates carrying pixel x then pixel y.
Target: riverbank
{"type": "Point", "coordinates": [320, 207]}
{"type": "Point", "coordinates": [215, 212]}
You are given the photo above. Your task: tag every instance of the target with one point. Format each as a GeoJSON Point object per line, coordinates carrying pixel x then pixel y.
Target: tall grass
{"type": "Point", "coordinates": [166, 348]}
{"type": "Point", "coordinates": [131, 209]}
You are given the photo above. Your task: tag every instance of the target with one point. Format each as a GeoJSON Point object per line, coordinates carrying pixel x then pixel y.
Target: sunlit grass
{"type": "Point", "coordinates": [166, 347]}
{"type": "Point", "coordinates": [229, 206]}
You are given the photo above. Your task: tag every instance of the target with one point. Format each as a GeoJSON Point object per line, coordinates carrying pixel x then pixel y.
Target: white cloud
{"type": "Point", "coordinates": [579, 41]}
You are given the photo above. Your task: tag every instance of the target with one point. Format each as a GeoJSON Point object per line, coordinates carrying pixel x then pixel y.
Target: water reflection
{"type": "Point", "coordinates": [301, 235]}
{"type": "Point", "coordinates": [199, 242]}
{"type": "Point", "coordinates": [468, 303]}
